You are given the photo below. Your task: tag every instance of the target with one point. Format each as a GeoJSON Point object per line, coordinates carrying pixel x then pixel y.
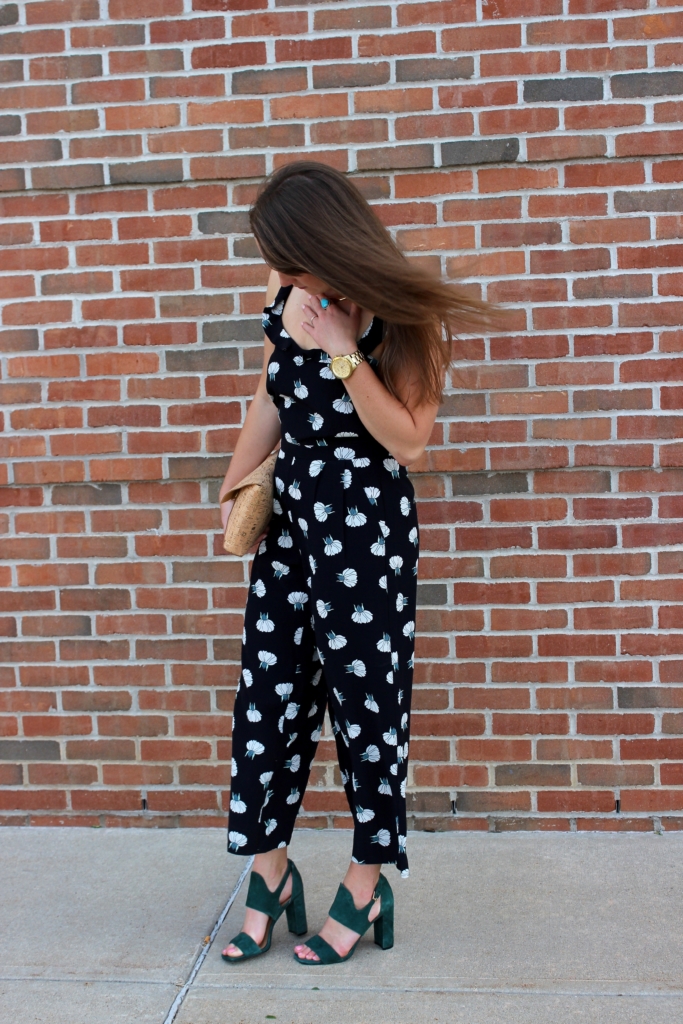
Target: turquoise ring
{"type": "Point", "coordinates": [324, 303]}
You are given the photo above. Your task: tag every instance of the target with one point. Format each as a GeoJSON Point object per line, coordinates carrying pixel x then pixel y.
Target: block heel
{"type": "Point", "coordinates": [344, 910]}
{"type": "Point", "coordinates": [295, 908]}
{"type": "Point", "coordinates": [384, 929]}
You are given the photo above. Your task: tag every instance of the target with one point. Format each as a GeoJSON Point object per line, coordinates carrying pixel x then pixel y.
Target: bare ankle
{"type": "Point", "coordinates": [271, 866]}
{"type": "Point", "coordinates": [361, 881]}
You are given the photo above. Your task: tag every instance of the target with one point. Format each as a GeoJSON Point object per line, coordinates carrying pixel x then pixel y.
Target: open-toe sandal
{"type": "Point", "coordinates": [344, 911]}
{"type": "Point", "coordinates": [259, 897]}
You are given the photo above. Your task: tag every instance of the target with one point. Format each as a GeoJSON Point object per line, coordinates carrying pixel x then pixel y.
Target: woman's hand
{"type": "Point", "coordinates": [332, 329]}
{"type": "Point", "coordinates": [226, 509]}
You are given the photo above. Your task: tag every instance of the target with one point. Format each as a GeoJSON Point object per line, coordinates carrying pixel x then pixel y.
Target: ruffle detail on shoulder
{"type": "Point", "coordinates": [272, 320]}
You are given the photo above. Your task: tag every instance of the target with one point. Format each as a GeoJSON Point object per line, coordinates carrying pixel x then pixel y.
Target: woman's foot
{"type": "Point", "coordinates": [361, 880]}
{"type": "Point", "coordinates": [272, 869]}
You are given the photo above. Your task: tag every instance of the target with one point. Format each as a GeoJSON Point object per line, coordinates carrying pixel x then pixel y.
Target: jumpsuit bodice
{"type": "Point", "coordinates": [313, 404]}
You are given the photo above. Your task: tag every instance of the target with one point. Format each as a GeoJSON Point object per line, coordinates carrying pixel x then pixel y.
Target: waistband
{"type": "Point", "coordinates": [364, 443]}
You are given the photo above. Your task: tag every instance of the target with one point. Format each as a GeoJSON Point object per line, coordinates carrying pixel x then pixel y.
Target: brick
{"type": "Point", "coordinates": [146, 171]}
{"type": "Point", "coordinates": [163, 226]}
{"type": "Point", "coordinates": [38, 150]}
{"type": "Point", "coordinates": [228, 167]}
{"type": "Point", "coordinates": [278, 24]}
{"type": "Point", "coordinates": [553, 90]}
{"type": "Point", "coordinates": [87, 494]}
{"type": "Point", "coordinates": [484, 151]}
{"type": "Point", "coordinates": [178, 30]}
{"type": "Point", "coordinates": [350, 75]}
{"type": "Point", "coordinates": [186, 142]}
{"type": "Point", "coordinates": [107, 36]}
{"type": "Point", "coordinates": [652, 83]}
{"type": "Point", "coordinates": [84, 283]}
{"type": "Point", "coordinates": [155, 61]}
{"type": "Point", "coordinates": [11, 71]}
{"type": "Point", "coordinates": [189, 197]}
{"type": "Point", "coordinates": [606, 58]}
{"type": "Point", "coordinates": [75, 230]}
{"type": "Point", "coordinates": [197, 85]}
{"type": "Point", "coordinates": [142, 117]}
{"type": "Point", "coordinates": [581, 175]}
{"type": "Point", "coordinates": [66, 67]}
{"type": "Point", "coordinates": [494, 750]}
{"type": "Point", "coordinates": [104, 255]}
{"type": "Point", "coordinates": [10, 124]}
{"type": "Point", "coordinates": [69, 177]}
{"type": "Point", "coordinates": [282, 80]}
{"type": "Point", "coordinates": [26, 97]}
{"type": "Point", "coordinates": [434, 69]}
{"type": "Point", "coordinates": [83, 337]}
{"type": "Point", "coordinates": [309, 50]}
{"type": "Point", "coordinates": [9, 14]}
{"type": "Point", "coordinates": [436, 12]}
{"type": "Point", "coordinates": [36, 258]}
{"type": "Point", "coordinates": [21, 340]}
{"type": "Point", "coordinates": [228, 55]}
{"type": "Point", "coordinates": [648, 143]}
{"type": "Point", "coordinates": [46, 41]}
{"type": "Point", "coordinates": [266, 136]}
{"type": "Point", "coordinates": [55, 11]}
{"type": "Point", "coordinates": [29, 750]}
{"type": "Point", "coordinates": [120, 90]}
{"type": "Point", "coordinates": [16, 234]}
{"type": "Point", "coordinates": [656, 26]}
{"type": "Point", "coordinates": [656, 201]}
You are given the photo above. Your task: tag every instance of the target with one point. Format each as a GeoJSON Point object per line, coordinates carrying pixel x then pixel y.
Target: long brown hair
{"type": "Point", "coordinates": [309, 218]}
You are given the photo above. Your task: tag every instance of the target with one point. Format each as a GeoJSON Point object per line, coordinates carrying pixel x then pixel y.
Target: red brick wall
{"type": "Point", "coordinates": [532, 142]}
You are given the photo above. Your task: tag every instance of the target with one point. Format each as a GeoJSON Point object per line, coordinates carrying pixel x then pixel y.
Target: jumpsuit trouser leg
{"type": "Point", "coordinates": [329, 622]}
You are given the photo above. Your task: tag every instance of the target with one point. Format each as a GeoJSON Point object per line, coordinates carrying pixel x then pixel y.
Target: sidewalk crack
{"type": "Point", "coordinates": [203, 953]}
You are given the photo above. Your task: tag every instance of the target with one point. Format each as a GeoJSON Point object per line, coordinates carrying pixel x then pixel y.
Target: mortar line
{"type": "Point", "coordinates": [178, 1001]}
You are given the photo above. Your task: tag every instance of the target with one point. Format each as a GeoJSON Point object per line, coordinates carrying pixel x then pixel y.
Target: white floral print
{"type": "Point", "coordinates": [330, 612]}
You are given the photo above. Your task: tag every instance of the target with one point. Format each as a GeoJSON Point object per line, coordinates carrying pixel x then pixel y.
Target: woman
{"type": "Point", "coordinates": [357, 339]}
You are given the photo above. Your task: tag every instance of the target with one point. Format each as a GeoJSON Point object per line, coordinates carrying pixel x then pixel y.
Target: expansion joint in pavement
{"type": "Point", "coordinates": [203, 953]}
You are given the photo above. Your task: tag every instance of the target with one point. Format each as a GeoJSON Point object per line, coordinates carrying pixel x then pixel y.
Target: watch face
{"type": "Point", "coordinates": [341, 367]}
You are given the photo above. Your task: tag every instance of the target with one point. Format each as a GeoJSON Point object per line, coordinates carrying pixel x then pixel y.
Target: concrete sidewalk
{"type": "Point", "coordinates": [526, 928]}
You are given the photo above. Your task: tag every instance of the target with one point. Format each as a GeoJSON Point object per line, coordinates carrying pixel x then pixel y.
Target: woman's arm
{"type": "Point", "coordinates": [403, 429]}
{"type": "Point", "coordinates": [258, 437]}
{"type": "Point", "coordinates": [261, 430]}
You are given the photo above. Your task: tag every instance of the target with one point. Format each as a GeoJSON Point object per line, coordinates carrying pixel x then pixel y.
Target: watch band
{"type": "Point", "coordinates": [343, 366]}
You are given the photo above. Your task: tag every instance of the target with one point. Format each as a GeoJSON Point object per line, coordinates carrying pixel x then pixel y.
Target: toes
{"type": "Point", "coordinates": [304, 953]}
{"type": "Point", "coordinates": [233, 952]}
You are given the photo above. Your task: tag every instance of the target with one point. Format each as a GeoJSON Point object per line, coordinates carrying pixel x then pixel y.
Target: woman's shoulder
{"type": "Point", "coordinates": [275, 292]}
{"type": "Point", "coordinates": [273, 287]}
{"type": "Point", "coordinates": [271, 319]}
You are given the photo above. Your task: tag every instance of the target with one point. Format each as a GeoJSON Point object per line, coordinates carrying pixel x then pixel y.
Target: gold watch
{"type": "Point", "coordinates": [343, 366]}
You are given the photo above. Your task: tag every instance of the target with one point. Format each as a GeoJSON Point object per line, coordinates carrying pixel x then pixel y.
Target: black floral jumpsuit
{"type": "Point", "coordinates": [330, 617]}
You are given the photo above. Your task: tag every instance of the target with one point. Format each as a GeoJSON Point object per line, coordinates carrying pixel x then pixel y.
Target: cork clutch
{"type": "Point", "coordinates": [252, 509]}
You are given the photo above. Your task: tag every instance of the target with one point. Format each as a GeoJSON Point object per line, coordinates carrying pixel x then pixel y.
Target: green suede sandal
{"type": "Point", "coordinates": [259, 897]}
{"type": "Point", "coordinates": [344, 910]}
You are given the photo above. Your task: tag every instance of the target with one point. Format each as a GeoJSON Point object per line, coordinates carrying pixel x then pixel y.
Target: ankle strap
{"type": "Point", "coordinates": [344, 910]}
{"type": "Point", "coordinates": [259, 896]}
